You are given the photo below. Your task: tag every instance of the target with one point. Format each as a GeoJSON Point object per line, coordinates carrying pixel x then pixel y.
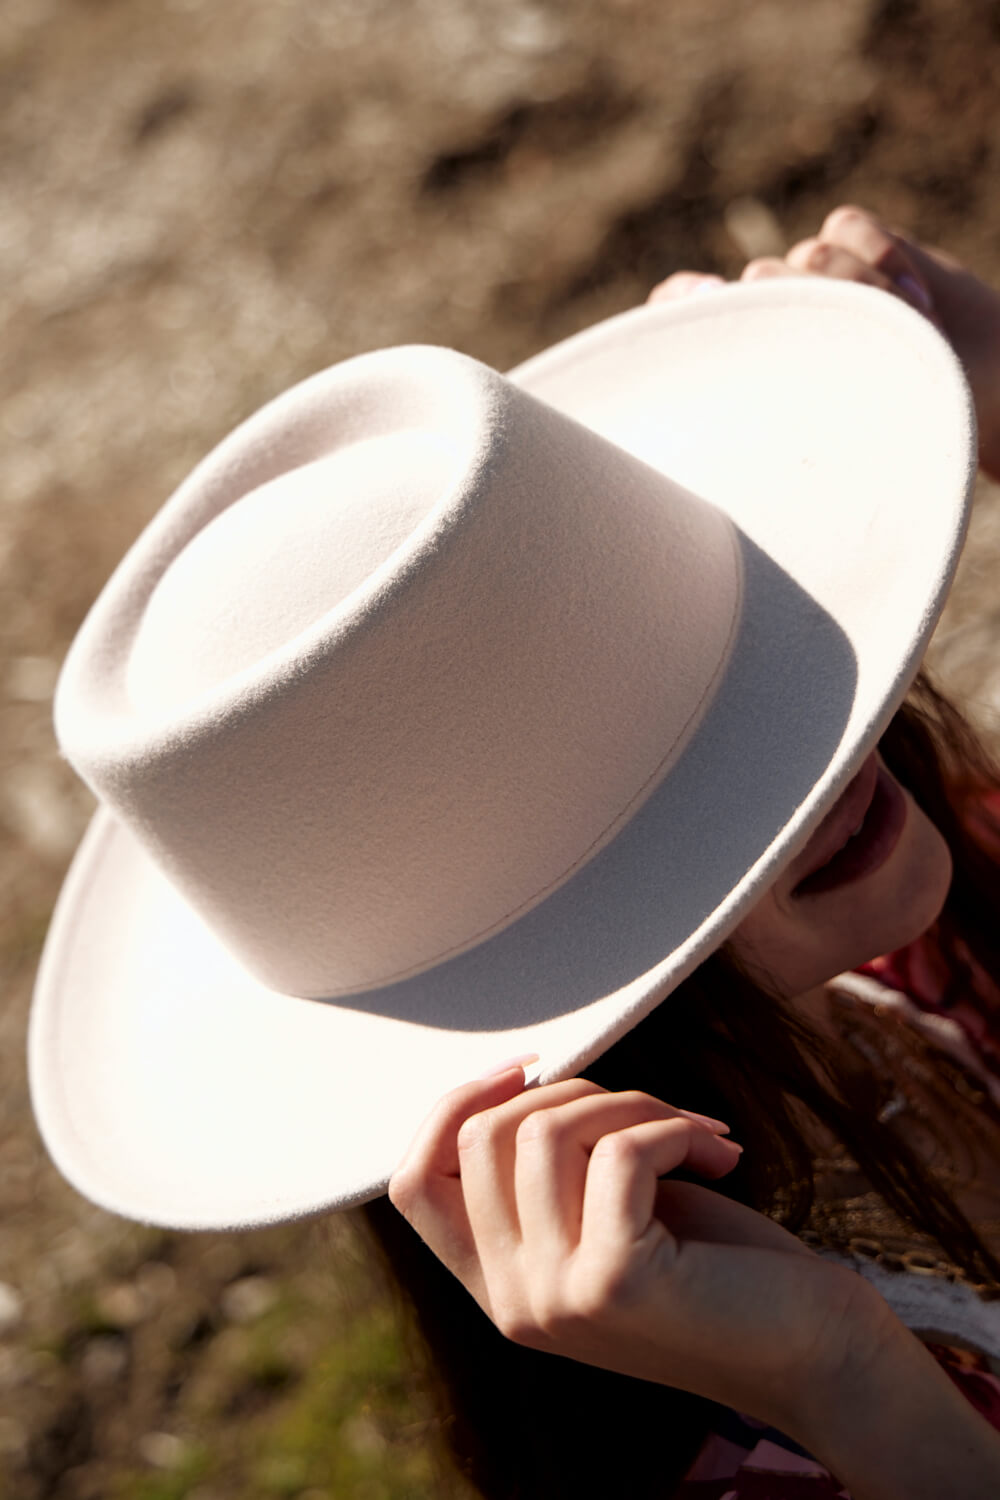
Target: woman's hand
{"type": "Point", "coordinates": [854, 245]}
{"type": "Point", "coordinates": [548, 1205]}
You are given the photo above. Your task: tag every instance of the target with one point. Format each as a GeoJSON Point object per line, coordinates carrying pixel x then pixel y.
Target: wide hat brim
{"type": "Point", "coordinates": [835, 428]}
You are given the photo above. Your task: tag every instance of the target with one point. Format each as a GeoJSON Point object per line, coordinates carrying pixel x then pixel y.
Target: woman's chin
{"type": "Point", "coordinates": [921, 880]}
{"type": "Point", "coordinates": [892, 918]}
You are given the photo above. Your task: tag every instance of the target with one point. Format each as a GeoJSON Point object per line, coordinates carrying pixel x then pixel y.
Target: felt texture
{"type": "Point", "coordinates": [532, 743]}
{"type": "Point", "coordinates": [388, 700]}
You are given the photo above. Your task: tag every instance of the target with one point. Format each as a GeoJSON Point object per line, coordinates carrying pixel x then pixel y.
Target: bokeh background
{"type": "Point", "coordinates": [203, 201]}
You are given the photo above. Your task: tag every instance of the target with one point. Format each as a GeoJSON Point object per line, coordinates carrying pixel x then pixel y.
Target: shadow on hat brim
{"type": "Point", "coordinates": [834, 426]}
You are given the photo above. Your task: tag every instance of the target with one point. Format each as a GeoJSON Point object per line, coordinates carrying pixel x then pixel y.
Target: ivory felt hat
{"type": "Point", "coordinates": [442, 716]}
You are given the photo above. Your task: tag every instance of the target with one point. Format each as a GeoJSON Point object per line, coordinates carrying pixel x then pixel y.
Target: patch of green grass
{"type": "Point", "coordinates": [317, 1396]}
{"type": "Point", "coordinates": [357, 1426]}
{"type": "Point", "coordinates": [174, 1484]}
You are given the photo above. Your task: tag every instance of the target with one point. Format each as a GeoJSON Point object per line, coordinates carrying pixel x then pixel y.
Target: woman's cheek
{"type": "Point", "coordinates": [792, 944]}
{"type": "Point", "coordinates": [770, 947]}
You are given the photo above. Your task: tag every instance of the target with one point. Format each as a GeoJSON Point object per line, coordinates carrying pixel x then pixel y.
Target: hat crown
{"type": "Point", "coordinates": [279, 559]}
{"type": "Point", "coordinates": [401, 655]}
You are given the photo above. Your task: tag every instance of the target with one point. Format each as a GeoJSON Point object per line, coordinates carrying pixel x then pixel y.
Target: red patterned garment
{"type": "Point", "coordinates": [918, 975]}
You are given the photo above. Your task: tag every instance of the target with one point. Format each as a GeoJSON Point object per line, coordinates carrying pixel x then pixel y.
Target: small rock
{"type": "Point", "coordinates": [162, 1450]}
{"type": "Point", "coordinates": [531, 32]}
{"type": "Point", "coordinates": [156, 1283]}
{"type": "Point", "coordinates": [754, 228]}
{"type": "Point", "coordinates": [74, 1256]}
{"type": "Point", "coordinates": [360, 1432]}
{"type": "Point", "coordinates": [104, 1359]}
{"type": "Point", "coordinates": [11, 1308]}
{"type": "Point", "coordinates": [248, 1299]}
{"type": "Point", "coordinates": [121, 1306]}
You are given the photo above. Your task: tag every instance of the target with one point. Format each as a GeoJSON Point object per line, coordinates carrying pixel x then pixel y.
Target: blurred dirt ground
{"type": "Point", "coordinates": [203, 201]}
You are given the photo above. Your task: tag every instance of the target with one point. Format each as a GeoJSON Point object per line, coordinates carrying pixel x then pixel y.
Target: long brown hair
{"type": "Point", "coordinates": [522, 1425]}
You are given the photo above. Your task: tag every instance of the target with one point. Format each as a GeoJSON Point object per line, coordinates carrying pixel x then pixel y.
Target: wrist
{"type": "Point", "coordinates": [853, 1356]}
{"type": "Point", "coordinates": [887, 1421]}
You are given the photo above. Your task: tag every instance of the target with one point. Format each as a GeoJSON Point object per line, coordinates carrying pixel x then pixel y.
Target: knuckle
{"type": "Point", "coordinates": [565, 1313]}
{"type": "Point", "coordinates": [541, 1128]}
{"type": "Point", "coordinates": [476, 1132]}
{"type": "Point", "coordinates": [819, 257]}
{"type": "Point", "coordinates": [620, 1150]}
{"type": "Point", "coordinates": [676, 285]}
{"type": "Point", "coordinates": [576, 1088]}
{"type": "Point", "coordinates": [602, 1297]}
{"type": "Point", "coordinates": [594, 1296]}
{"type": "Point", "coordinates": [763, 266]}
{"type": "Point", "coordinates": [518, 1326]}
{"type": "Point", "coordinates": [845, 215]}
{"type": "Point", "coordinates": [403, 1189]}
{"type": "Point", "coordinates": [799, 252]}
{"type": "Point", "coordinates": [641, 1102]}
{"type": "Point", "coordinates": [555, 1314]}
{"type": "Point", "coordinates": [559, 1325]}
{"type": "Point", "coordinates": [645, 1107]}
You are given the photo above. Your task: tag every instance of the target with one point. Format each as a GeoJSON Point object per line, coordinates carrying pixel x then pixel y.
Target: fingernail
{"type": "Point", "coordinates": [717, 1127]}
{"type": "Point", "coordinates": [707, 284]}
{"type": "Point", "coordinates": [512, 1062]}
{"type": "Point", "coordinates": [914, 293]}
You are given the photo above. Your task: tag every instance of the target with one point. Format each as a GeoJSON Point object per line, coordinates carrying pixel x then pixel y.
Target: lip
{"type": "Point", "coordinates": [835, 855]}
